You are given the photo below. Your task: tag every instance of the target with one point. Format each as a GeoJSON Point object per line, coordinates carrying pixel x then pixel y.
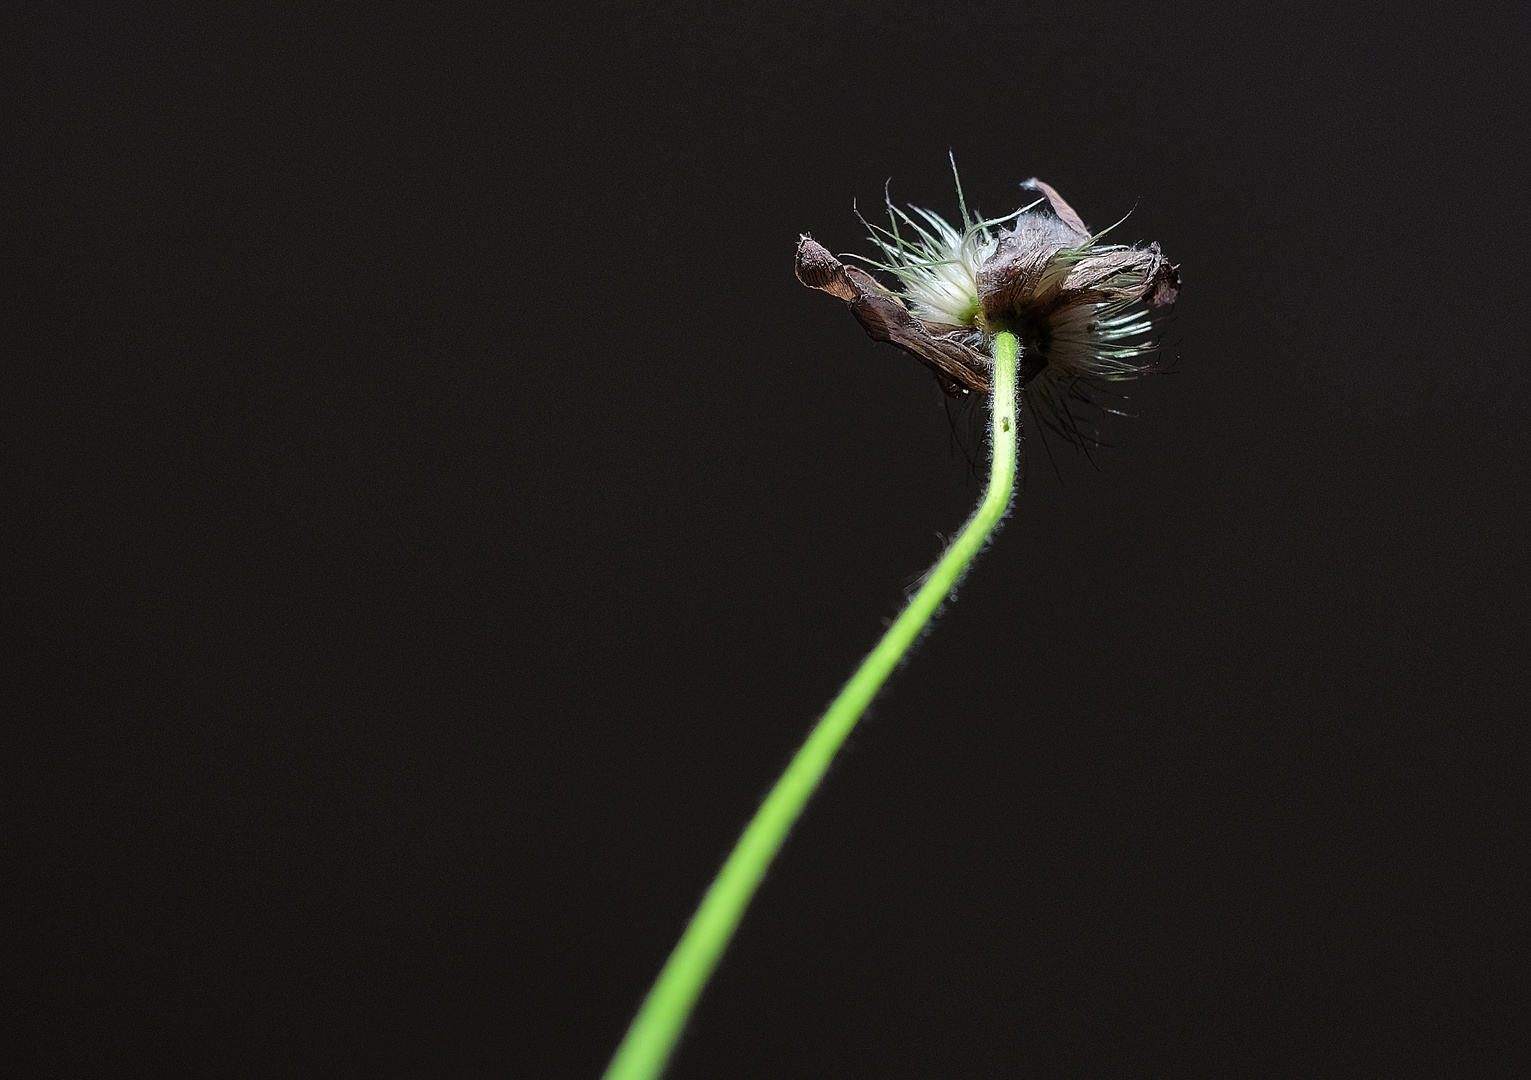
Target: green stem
{"type": "Point", "coordinates": [654, 1031]}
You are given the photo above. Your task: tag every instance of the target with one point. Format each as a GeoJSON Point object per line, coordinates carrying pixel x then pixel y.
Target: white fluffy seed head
{"type": "Point", "coordinates": [1074, 303]}
{"type": "Point", "coordinates": [936, 263]}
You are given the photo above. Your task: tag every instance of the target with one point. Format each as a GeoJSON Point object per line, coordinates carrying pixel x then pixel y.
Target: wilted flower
{"type": "Point", "coordinates": [1080, 309]}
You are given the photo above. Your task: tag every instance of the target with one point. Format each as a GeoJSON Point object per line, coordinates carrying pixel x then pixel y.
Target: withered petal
{"type": "Point", "coordinates": [1096, 277]}
{"type": "Point", "coordinates": [1165, 286]}
{"type": "Point", "coordinates": [1064, 211]}
{"type": "Point", "coordinates": [818, 269]}
{"type": "Point", "coordinates": [1015, 273]}
{"type": "Point", "coordinates": [865, 284]}
{"type": "Point", "coordinates": [885, 319]}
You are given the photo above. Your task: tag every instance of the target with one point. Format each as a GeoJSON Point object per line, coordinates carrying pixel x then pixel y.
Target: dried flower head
{"type": "Point", "coordinates": [1080, 309]}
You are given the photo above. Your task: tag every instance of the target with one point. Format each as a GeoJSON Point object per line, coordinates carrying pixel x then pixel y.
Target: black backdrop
{"type": "Point", "coordinates": [436, 513]}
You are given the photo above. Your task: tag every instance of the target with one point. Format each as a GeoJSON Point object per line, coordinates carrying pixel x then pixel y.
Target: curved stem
{"type": "Point", "coordinates": [654, 1031]}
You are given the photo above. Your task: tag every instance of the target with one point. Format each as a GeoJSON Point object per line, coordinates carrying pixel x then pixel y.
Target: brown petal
{"type": "Point", "coordinates": [818, 269]}
{"type": "Point", "coordinates": [1064, 211]}
{"type": "Point", "coordinates": [885, 319]}
{"type": "Point", "coordinates": [1097, 278]}
{"type": "Point", "coordinates": [1165, 286]}
{"type": "Point", "coordinates": [1018, 272]}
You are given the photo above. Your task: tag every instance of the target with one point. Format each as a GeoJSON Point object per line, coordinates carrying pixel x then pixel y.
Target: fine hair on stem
{"type": "Point", "coordinates": [652, 1036]}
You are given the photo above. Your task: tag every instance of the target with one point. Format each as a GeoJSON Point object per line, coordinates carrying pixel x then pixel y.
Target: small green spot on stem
{"type": "Point", "coordinates": [654, 1031]}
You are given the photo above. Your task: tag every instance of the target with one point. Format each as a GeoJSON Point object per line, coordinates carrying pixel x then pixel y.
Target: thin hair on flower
{"type": "Point", "coordinates": [1081, 310]}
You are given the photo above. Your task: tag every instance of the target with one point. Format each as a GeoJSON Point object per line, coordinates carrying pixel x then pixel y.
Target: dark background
{"type": "Point", "coordinates": [436, 513]}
